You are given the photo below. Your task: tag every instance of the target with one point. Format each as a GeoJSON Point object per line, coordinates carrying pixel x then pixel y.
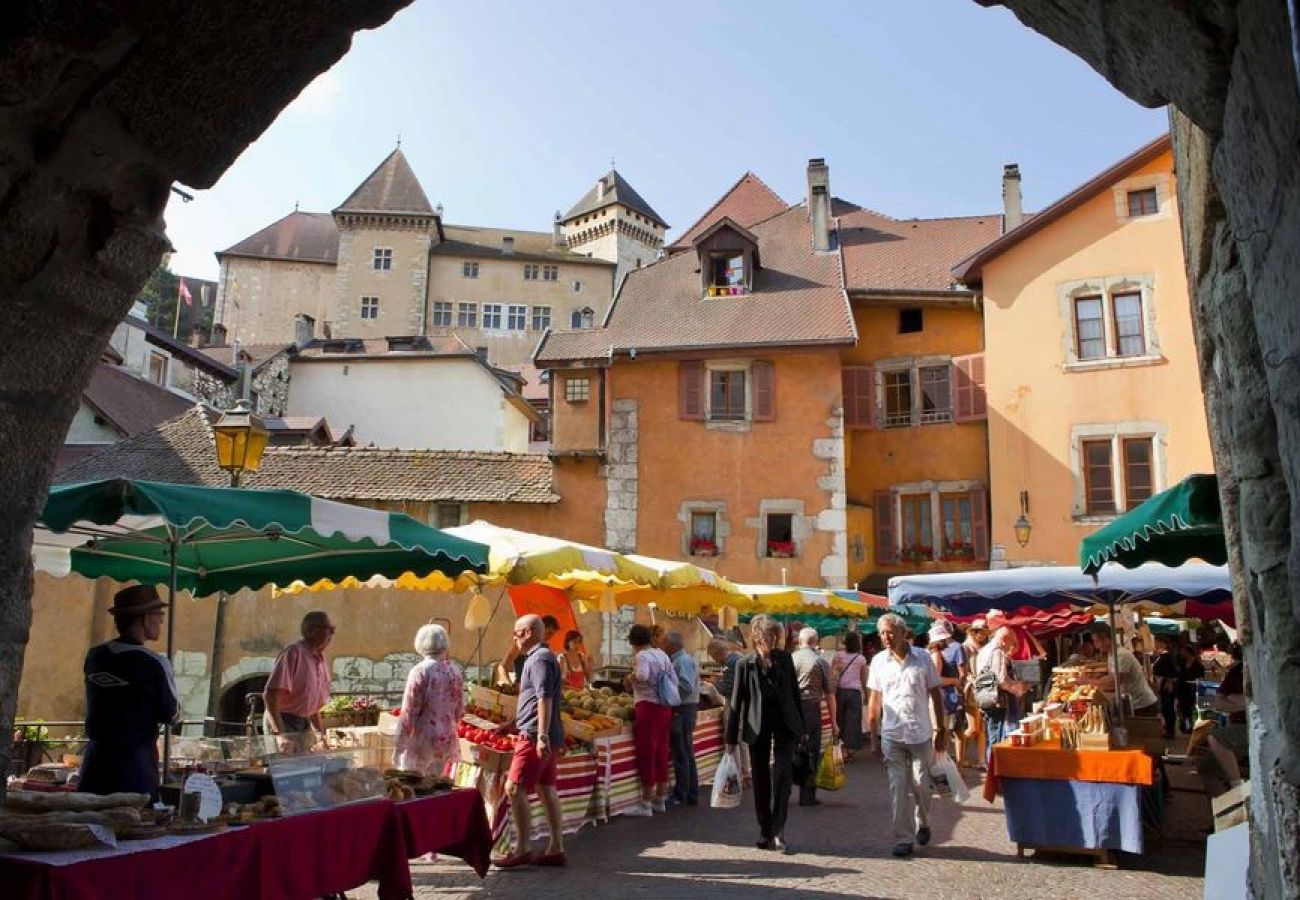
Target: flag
{"type": "Point", "coordinates": [184, 293]}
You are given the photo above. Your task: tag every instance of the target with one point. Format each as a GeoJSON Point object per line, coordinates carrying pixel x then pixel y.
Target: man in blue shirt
{"type": "Point", "coordinates": [685, 773]}
{"type": "Point", "coordinates": [539, 740]}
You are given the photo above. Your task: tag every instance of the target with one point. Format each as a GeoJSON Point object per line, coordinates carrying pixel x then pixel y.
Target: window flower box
{"type": "Point", "coordinates": [916, 553]}
{"type": "Point", "coordinates": [780, 549]}
{"type": "Point", "coordinates": [959, 552]}
{"type": "Point", "coordinates": [703, 547]}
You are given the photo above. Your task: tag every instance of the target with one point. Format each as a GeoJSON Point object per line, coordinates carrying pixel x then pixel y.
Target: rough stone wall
{"type": "Point", "coordinates": [214, 391]}
{"type": "Point", "coordinates": [621, 478]}
{"type": "Point", "coordinates": [834, 518]}
{"type": "Point", "coordinates": [271, 385]}
{"type": "Point", "coordinates": [1228, 70]}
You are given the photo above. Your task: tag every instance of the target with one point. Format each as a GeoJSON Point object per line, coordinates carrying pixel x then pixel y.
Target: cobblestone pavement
{"type": "Point", "coordinates": [841, 849]}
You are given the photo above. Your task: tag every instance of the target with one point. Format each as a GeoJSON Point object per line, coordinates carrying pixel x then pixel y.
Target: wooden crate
{"type": "Point", "coordinates": [485, 758]}
{"type": "Point", "coordinates": [582, 730]}
{"type": "Point", "coordinates": [496, 701]}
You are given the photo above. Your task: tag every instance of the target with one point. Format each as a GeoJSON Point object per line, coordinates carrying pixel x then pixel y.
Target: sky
{"type": "Point", "coordinates": [509, 111]}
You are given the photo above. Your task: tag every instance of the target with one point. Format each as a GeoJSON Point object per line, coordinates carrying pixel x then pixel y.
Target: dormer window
{"type": "Point", "coordinates": [728, 259]}
{"type": "Point", "coordinates": [727, 275]}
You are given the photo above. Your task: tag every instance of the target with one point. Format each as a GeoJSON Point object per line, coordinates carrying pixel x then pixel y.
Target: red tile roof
{"type": "Point", "coordinates": [798, 300]}
{"type": "Point", "coordinates": [300, 236]}
{"type": "Point", "coordinates": [131, 404]}
{"type": "Point", "coordinates": [747, 202]}
{"type": "Point", "coordinates": [894, 256]}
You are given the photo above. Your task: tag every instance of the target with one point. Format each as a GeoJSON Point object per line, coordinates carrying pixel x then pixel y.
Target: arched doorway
{"type": "Point", "coordinates": [232, 711]}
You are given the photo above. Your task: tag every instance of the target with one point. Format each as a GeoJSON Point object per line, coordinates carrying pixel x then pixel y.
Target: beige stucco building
{"type": "Point", "coordinates": [1094, 392]}
{"type": "Point", "coordinates": [385, 263]}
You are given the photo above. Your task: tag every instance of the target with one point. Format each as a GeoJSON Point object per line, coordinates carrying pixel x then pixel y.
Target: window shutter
{"type": "Point", "coordinates": [886, 543]}
{"type": "Point", "coordinates": [979, 527]}
{"type": "Point", "coordinates": [763, 372]}
{"type": "Point", "coordinates": [859, 396]}
{"type": "Point", "coordinates": [690, 390]}
{"type": "Point", "coordinates": [968, 388]}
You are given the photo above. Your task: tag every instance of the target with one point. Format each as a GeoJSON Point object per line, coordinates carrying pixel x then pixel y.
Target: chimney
{"type": "Point", "coordinates": [481, 353]}
{"type": "Point", "coordinates": [558, 238]}
{"type": "Point", "coordinates": [197, 337]}
{"type": "Point", "coordinates": [327, 329]}
{"type": "Point", "coordinates": [819, 203]}
{"type": "Point", "coordinates": [1012, 215]}
{"type": "Point", "coordinates": [600, 189]}
{"type": "Point", "coordinates": [507, 246]}
{"type": "Point", "coordinates": [218, 335]}
{"type": "Point", "coordinates": [304, 329]}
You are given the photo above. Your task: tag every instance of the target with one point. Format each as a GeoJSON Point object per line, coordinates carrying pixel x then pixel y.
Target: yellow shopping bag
{"type": "Point", "coordinates": [830, 772]}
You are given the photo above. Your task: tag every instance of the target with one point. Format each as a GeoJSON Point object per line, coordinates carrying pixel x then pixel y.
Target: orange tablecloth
{"type": "Point", "coordinates": [1048, 761]}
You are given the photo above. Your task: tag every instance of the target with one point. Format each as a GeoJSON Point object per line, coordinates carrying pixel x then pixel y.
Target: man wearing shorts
{"type": "Point", "coordinates": [539, 740]}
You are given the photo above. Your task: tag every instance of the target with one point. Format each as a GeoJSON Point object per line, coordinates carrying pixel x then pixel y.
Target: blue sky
{"type": "Point", "coordinates": [509, 111]}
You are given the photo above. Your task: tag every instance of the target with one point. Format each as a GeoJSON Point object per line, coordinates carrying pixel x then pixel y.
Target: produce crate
{"type": "Point", "coordinates": [485, 758]}
{"type": "Point", "coordinates": [487, 698]}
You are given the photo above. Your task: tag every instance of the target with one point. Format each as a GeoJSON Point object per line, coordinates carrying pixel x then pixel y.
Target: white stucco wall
{"type": "Point", "coordinates": [85, 430]}
{"type": "Point", "coordinates": [412, 403]}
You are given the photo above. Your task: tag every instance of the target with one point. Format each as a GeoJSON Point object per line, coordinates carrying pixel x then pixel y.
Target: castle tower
{"type": "Point", "coordinates": [386, 228]}
{"type": "Point", "coordinates": [612, 222]}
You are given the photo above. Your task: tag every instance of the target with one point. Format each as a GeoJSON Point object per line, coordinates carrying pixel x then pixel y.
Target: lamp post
{"type": "Point", "coordinates": [241, 438]}
{"type": "Point", "coordinates": [1022, 526]}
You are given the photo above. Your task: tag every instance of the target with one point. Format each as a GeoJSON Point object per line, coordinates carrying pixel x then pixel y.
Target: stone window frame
{"type": "Point", "coordinates": [577, 286]}
{"type": "Point", "coordinates": [728, 365]}
{"type": "Point", "coordinates": [936, 489]}
{"type": "Point", "coordinates": [1166, 199]}
{"type": "Point", "coordinates": [577, 389]}
{"type": "Point", "coordinates": [551, 273]}
{"type": "Point", "coordinates": [802, 526]}
{"type": "Point", "coordinates": [469, 268]}
{"type": "Point", "coordinates": [161, 360]}
{"type": "Point", "coordinates": [369, 307]}
{"type": "Point", "coordinates": [541, 318]}
{"type": "Point", "coordinates": [437, 511]}
{"type": "Point", "coordinates": [466, 314]}
{"type": "Point", "coordinates": [492, 311]}
{"type": "Point", "coordinates": [1107, 287]}
{"type": "Point", "coordinates": [381, 259]}
{"type": "Point", "coordinates": [442, 309]}
{"type": "Point", "coordinates": [914, 365]}
{"type": "Point", "coordinates": [516, 317]}
{"type": "Point", "coordinates": [532, 272]}
{"type": "Point", "coordinates": [1116, 432]}
{"type": "Point", "coordinates": [722, 525]}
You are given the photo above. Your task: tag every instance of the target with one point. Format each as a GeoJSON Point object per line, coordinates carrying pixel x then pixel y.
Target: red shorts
{"type": "Point", "coordinates": [527, 768]}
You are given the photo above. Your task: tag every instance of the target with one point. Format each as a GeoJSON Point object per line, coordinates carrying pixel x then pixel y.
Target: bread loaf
{"type": "Point", "coordinates": [117, 818]}
{"type": "Point", "coordinates": [41, 801]}
{"type": "Point", "coordinates": [60, 836]}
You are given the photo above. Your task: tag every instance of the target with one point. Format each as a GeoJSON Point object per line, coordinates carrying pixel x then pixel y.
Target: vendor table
{"type": "Point", "coordinates": [576, 780]}
{"type": "Point", "coordinates": [302, 856]}
{"type": "Point", "coordinates": [1086, 801]}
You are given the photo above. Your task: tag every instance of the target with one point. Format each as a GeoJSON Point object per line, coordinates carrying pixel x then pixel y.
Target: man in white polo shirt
{"type": "Point", "coordinates": [904, 687]}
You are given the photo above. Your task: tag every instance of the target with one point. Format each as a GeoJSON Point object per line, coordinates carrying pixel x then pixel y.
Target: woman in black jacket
{"type": "Point", "coordinates": [766, 713]}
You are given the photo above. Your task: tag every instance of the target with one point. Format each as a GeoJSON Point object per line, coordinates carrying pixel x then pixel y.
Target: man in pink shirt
{"type": "Point", "coordinates": [299, 686]}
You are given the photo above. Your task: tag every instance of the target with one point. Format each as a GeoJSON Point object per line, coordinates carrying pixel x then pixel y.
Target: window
{"type": "Point", "coordinates": [383, 259]}
{"type": "Point", "coordinates": [370, 307]}
{"type": "Point", "coordinates": [492, 316]}
{"type": "Point", "coordinates": [469, 269]}
{"type": "Point", "coordinates": [1143, 203]}
{"type": "Point", "coordinates": [780, 535]}
{"type": "Point", "coordinates": [1098, 479]}
{"type": "Point", "coordinates": [447, 515]}
{"type": "Point", "coordinates": [955, 518]}
{"type": "Point", "coordinates": [531, 271]}
{"type": "Point", "coordinates": [936, 394]}
{"type": "Point", "coordinates": [577, 287]}
{"type": "Point", "coordinates": [704, 534]}
{"type": "Point", "coordinates": [898, 398]}
{"type": "Point", "coordinates": [541, 318]}
{"type": "Point", "coordinates": [517, 318]}
{"type": "Point", "coordinates": [550, 273]}
{"type": "Point", "coordinates": [577, 390]}
{"type": "Point", "coordinates": [1089, 328]}
{"type": "Point", "coordinates": [727, 274]}
{"type": "Point", "coordinates": [1139, 470]}
{"type": "Point", "coordinates": [1127, 310]}
{"type": "Point", "coordinates": [157, 368]}
{"type": "Point", "coordinates": [467, 315]}
{"type": "Point", "coordinates": [726, 396]}
{"type": "Point", "coordinates": [910, 321]}
{"type": "Point", "coordinates": [540, 431]}
{"type": "Point", "coordinates": [582, 318]}
{"type": "Point", "coordinates": [442, 314]}
{"type": "Point", "coordinates": [918, 535]}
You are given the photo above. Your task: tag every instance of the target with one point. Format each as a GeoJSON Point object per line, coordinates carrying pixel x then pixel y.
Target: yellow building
{"type": "Point", "coordinates": [1094, 392]}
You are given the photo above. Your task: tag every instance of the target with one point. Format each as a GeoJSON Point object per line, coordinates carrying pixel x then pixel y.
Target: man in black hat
{"type": "Point", "coordinates": [129, 693]}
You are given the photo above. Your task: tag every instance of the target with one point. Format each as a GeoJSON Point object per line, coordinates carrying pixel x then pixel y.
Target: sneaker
{"type": "Point", "coordinates": [901, 851]}
{"type": "Point", "coordinates": [640, 809]}
{"type": "Point", "coordinates": [659, 806]}
{"type": "Point", "coordinates": [780, 846]}
{"type": "Point", "coordinates": [923, 835]}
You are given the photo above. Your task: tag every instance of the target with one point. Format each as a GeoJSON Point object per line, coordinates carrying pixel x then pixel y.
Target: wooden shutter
{"type": "Point", "coordinates": [886, 539]}
{"type": "Point", "coordinates": [859, 396]}
{"type": "Point", "coordinates": [763, 372]}
{"type": "Point", "coordinates": [979, 523]}
{"type": "Point", "coordinates": [690, 390]}
{"type": "Point", "coordinates": [971, 402]}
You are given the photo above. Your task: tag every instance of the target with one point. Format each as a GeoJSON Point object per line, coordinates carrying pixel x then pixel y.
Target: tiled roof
{"type": "Point", "coordinates": [301, 236]}
{"type": "Point", "coordinates": [747, 202]}
{"type": "Point", "coordinates": [970, 268]}
{"type": "Point", "coordinates": [798, 300]}
{"type": "Point", "coordinates": [131, 404]}
{"type": "Point", "coordinates": [181, 451]}
{"type": "Point", "coordinates": [417, 346]}
{"type": "Point", "coordinates": [530, 246]}
{"type": "Point", "coordinates": [612, 188]}
{"type": "Point", "coordinates": [184, 352]}
{"type": "Point", "coordinates": [257, 353]}
{"type": "Point", "coordinates": [391, 188]}
{"type": "Point", "coordinates": [888, 255]}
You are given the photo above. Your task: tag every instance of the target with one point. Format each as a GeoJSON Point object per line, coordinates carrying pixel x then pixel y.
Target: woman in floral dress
{"type": "Point", "coordinates": [432, 704]}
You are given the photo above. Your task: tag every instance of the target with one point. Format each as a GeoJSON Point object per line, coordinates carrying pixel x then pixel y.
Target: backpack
{"type": "Point", "coordinates": [987, 693]}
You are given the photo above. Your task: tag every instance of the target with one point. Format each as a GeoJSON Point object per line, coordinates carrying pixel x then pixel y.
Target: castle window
{"type": "Point", "coordinates": [492, 316]}
{"type": "Point", "coordinates": [442, 314]}
{"type": "Point", "coordinates": [577, 287]}
{"type": "Point", "coordinates": [582, 318]}
{"type": "Point", "coordinates": [577, 390]}
{"type": "Point", "coordinates": [531, 271]}
{"type": "Point", "coordinates": [469, 269]}
{"type": "Point", "coordinates": [517, 318]}
{"type": "Point", "coordinates": [370, 307]}
{"type": "Point", "coordinates": [550, 273]}
{"type": "Point", "coordinates": [467, 315]}
{"type": "Point", "coordinates": [541, 318]}
{"type": "Point", "coordinates": [383, 259]}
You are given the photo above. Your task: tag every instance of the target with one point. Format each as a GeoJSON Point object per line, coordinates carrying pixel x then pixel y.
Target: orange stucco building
{"type": "Point", "coordinates": [1094, 392]}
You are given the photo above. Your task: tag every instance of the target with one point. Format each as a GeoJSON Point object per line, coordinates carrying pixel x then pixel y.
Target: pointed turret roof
{"type": "Point", "coordinates": [391, 188]}
{"type": "Point", "coordinates": [610, 189]}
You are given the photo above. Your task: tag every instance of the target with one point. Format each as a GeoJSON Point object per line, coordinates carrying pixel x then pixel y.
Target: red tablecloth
{"type": "Point", "coordinates": [301, 856]}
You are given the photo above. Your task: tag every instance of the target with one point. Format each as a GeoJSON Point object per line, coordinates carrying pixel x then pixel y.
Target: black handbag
{"type": "Point", "coordinates": [802, 765]}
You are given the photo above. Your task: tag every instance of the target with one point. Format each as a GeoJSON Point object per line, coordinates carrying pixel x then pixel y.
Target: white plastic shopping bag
{"type": "Point", "coordinates": [946, 779]}
{"type": "Point", "coordinates": [727, 789]}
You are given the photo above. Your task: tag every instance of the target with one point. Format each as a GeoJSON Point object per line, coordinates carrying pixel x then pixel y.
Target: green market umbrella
{"type": "Point", "coordinates": [1181, 523]}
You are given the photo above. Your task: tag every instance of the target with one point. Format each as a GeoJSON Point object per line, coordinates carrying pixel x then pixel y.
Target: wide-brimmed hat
{"type": "Point", "coordinates": [940, 631]}
{"type": "Point", "coordinates": [136, 600]}
{"type": "Point", "coordinates": [978, 625]}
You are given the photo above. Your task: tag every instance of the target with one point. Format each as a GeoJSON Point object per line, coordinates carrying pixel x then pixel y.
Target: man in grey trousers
{"type": "Point", "coordinates": [815, 689]}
